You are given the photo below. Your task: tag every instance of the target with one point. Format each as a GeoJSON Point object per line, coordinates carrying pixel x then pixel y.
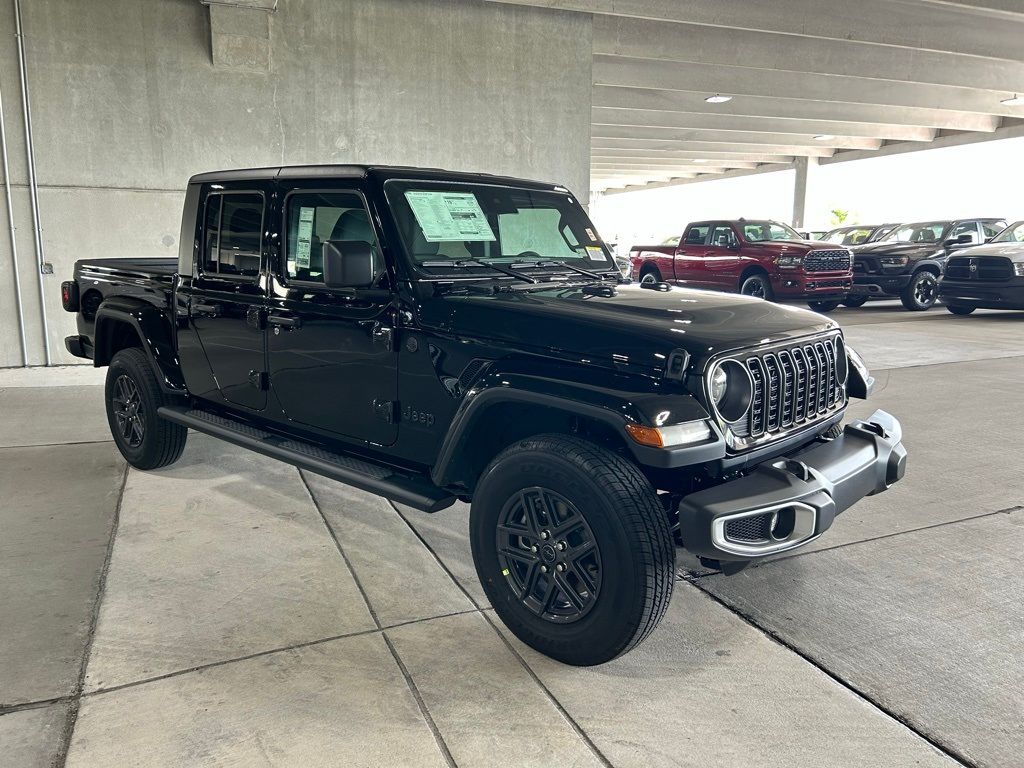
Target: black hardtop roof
{"type": "Point", "coordinates": [383, 172]}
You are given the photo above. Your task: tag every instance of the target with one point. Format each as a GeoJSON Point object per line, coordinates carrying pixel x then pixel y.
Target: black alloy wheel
{"type": "Point", "coordinates": [126, 403]}
{"type": "Point", "coordinates": [921, 292]}
{"type": "Point", "coordinates": [758, 287]}
{"type": "Point", "coordinates": [549, 555]}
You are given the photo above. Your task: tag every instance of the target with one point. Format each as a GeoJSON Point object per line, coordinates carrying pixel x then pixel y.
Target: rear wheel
{"type": "Point", "coordinates": [572, 548]}
{"type": "Point", "coordinates": [957, 309]}
{"type": "Point", "coordinates": [650, 275]}
{"type": "Point", "coordinates": [855, 301]}
{"type": "Point", "coordinates": [921, 292]}
{"type": "Point", "coordinates": [133, 395]}
{"type": "Point", "coordinates": [823, 306]}
{"type": "Point", "coordinates": [757, 285]}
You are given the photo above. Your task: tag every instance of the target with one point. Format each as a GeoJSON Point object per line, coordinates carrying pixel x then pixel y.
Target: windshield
{"type": "Point", "coordinates": [759, 231]}
{"type": "Point", "coordinates": [1012, 234]}
{"type": "Point", "coordinates": [923, 232]}
{"type": "Point", "coordinates": [454, 222]}
{"type": "Point", "coordinates": [849, 235]}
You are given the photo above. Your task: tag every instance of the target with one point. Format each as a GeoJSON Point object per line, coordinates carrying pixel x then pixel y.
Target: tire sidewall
{"type": "Point", "coordinates": [763, 279]}
{"type": "Point", "coordinates": [910, 299]}
{"type": "Point", "coordinates": [127, 363]}
{"type": "Point", "coordinates": [619, 604]}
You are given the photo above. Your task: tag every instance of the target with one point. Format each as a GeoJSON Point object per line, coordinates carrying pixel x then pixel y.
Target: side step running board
{"type": "Point", "coordinates": [408, 489]}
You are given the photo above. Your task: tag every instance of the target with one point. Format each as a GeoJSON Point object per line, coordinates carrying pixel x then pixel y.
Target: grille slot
{"type": "Point", "coordinates": [793, 387]}
{"type": "Point", "coordinates": [827, 261]}
{"type": "Point", "coordinates": [984, 268]}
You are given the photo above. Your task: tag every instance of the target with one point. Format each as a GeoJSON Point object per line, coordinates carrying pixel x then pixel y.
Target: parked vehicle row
{"type": "Point", "coordinates": [850, 265]}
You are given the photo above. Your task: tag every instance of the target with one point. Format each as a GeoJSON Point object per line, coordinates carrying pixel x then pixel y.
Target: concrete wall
{"type": "Point", "coordinates": [131, 97]}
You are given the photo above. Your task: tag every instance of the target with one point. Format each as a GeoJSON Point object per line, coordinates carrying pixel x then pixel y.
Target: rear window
{"type": "Point", "coordinates": [234, 234]}
{"type": "Point", "coordinates": [316, 217]}
{"type": "Point", "coordinates": [697, 234]}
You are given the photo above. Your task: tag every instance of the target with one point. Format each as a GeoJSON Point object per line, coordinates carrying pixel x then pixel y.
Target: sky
{"type": "Point", "coordinates": [985, 179]}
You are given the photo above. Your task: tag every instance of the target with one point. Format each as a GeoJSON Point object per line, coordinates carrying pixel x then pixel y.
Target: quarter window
{"type": "Point", "coordinates": [234, 227]}
{"type": "Point", "coordinates": [316, 217]}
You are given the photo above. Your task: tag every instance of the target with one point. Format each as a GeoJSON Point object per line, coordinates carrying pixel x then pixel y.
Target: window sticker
{"type": "Point", "coordinates": [594, 253]}
{"type": "Point", "coordinates": [447, 216]}
{"type": "Point", "coordinates": [591, 235]}
{"type": "Point", "coordinates": [305, 237]}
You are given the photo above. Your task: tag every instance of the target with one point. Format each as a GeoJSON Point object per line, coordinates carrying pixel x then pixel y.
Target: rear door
{"type": "Point", "coordinates": [227, 293]}
{"type": "Point", "coordinates": [332, 354]}
{"type": "Point", "coordinates": [690, 265]}
{"type": "Point", "coordinates": [724, 263]}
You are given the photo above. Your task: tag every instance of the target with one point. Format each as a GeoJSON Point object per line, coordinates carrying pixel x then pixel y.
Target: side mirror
{"type": "Point", "coordinates": [963, 239]}
{"type": "Point", "coordinates": [348, 264]}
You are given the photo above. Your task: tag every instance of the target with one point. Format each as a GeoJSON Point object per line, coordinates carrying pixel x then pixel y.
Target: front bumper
{"type": "Point", "coordinates": [797, 284]}
{"type": "Point", "coordinates": [986, 294]}
{"type": "Point", "coordinates": [879, 285]}
{"type": "Point", "coordinates": [786, 502]}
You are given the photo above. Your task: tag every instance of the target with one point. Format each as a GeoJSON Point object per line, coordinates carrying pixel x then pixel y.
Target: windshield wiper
{"type": "Point", "coordinates": [476, 263]}
{"type": "Point", "coordinates": [577, 270]}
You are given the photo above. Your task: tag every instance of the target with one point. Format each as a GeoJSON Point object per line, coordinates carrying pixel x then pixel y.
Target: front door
{"type": "Point", "coordinates": [722, 257]}
{"type": "Point", "coordinates": [227, 293]}
{"type": "Point", "coordinates": [332, 356]}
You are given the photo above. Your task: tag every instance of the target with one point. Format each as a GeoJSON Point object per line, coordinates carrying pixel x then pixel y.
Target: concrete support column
{"type": "Point", "coordinates": [804, 189]}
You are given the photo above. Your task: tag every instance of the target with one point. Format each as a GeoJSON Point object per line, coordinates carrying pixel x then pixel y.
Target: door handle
{"type": "Point", "coordinates": [210, 309]}
{"type": "Point", "coordinates": [284, 321]}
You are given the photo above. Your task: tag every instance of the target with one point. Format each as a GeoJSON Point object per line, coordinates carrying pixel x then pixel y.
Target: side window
{"type": "Point", "coordinates": [966, 228]}
{"type": "Point", "coordinates": [234, 227]}
{"type": "Point", "coordinates": [723, 236]}
{"type": "Point", "coordinates": [316, 217]}
{"type": "Point", "coordinates": [697, 234]}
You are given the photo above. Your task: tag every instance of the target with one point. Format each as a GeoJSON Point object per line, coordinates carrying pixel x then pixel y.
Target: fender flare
{"type": "Point", "coordinates": [926, 263]}
{"type": "Point", "coordinates": [607, 406]}
{"type": "Point", "coordinates": [156, 338]}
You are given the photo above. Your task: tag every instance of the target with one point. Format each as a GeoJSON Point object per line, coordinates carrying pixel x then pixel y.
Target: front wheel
{"type": "Point", "coordinates": [921, 292]}
{"type": "Point", "coordinates": [572, 548]}
{"type": "Point", "coordinates": [957, 309]}
{"type": "Point", "coordinates": [855, 301]}
{"type": "Point", "coordinates": [133, 395]}
{"type": "Point", "coordinates": [823, 306]}
{"type": "Point", "coordinates": [757, 285]}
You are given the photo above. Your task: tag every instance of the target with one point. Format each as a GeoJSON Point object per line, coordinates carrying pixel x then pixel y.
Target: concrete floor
{"type": "Point", "coordinates": [230, 610]}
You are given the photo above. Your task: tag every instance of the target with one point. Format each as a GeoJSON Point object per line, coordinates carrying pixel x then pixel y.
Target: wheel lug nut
{"type": "Point", "coordinates": [544, 535]}
{"type": "Point", "coordinates": [533, 548]}
{"type": "Point", "coordinates": [543, 569]}
{"type": "Point", "coordinates": [561, 546]}
{"type": "Point", "coordinates": [560, 567]}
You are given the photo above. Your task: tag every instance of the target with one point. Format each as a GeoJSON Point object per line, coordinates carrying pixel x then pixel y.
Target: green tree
{"type": "Point", "coordinates": [839, 216]}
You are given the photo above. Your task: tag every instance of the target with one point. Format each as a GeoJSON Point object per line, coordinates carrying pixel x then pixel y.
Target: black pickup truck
{"type": "Point", "coordinates": [432, 336]}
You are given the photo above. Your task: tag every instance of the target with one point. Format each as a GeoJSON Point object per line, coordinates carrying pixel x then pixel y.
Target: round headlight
{"type": "Point", "coordinates": [842, 363]}
{"type": "Point", "coordinates": [730, 389]}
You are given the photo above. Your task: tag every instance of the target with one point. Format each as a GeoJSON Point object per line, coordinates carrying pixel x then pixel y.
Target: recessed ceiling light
{"type": "Point", "coordinates": [824, 137]}
{"type": "Point", "coordinates": [1015, 101]}
{"type": "Point", "coordinates": [702, 160]}
{"type": "Point", "coordinates": [718, 99]}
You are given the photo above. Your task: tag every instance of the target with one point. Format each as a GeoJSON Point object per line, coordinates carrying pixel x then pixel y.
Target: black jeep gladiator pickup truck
{"type": "Point", "coordinates": [432, 336]}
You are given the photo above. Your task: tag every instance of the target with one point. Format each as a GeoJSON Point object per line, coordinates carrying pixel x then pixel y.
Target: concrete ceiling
{"type": "Point", "coordinates": [830, 79]}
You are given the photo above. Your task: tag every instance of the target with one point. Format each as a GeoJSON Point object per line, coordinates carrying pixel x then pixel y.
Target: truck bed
{"type": "Point", "coordinates": [145, 266]}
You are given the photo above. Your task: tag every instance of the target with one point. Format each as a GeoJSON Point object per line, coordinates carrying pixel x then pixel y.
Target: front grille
{"type": "Point", "coordinates": [979, 268]}
{"type": "Point", "coordinates": [830, 283]}
{"type": "Point", "coordinates": [827, 261]}
{"type": "Point", "coordinates": [793, 387]}
{"type": "Point", "coordinates": [750, 529]}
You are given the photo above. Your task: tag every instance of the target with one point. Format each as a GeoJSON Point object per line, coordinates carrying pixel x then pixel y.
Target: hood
{"type": "Point", "coordinates": [889, 248]}
{"type": "Point", "coordinates": [635, 326]}
{"type": "Point", "coordinates": [1014, 251]}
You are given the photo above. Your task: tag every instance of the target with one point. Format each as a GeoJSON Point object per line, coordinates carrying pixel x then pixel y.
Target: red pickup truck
{"type": "Point", "coordinates": [758, 258]}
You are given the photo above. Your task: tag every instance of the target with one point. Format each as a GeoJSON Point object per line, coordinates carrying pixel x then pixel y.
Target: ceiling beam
{"type": "Point", "coordinates": [688, 156]}
{"type": "Point", "coordinates": [631, 132]}
{"type": "Point", "coordinates": [747, 81]}
{"type": "Point", "coordinates": [692, 101]}
{"type": "Point", "coordinates": [708, 146]}
{"type": "Point", "coordinates": [603, 116]}
{"type": "Point", "coordinates": [637, 187]}
{"type": "Point", "coordinates": [693, 43]}
{"type": "Point", "coordinates": [987, 28]}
